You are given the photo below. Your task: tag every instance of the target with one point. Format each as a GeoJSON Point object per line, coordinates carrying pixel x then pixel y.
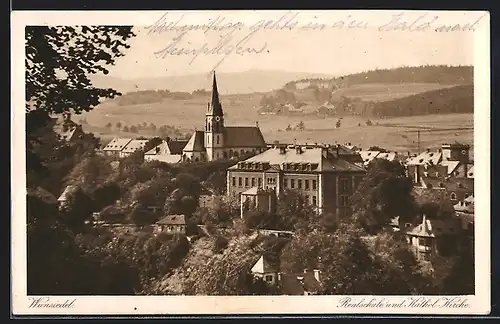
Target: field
{"type": "Point", "coordinates": [398, 134]}
{"type": "Point", "coordinates": [386, 92]}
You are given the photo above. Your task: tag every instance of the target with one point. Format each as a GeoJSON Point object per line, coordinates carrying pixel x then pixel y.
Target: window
{"type": "Point", "coordinates": [253, 182]}
{"type": "Point", "coordinates": [306, 184]}
{"type": "Point", "coordinates": [466, 196]}
{"type": "Point", "coordinates": [344, 185]}
{"type": "Point", "coordinates": [307, 199]}
{"type": "Point", "coordinates": [292, 183]}
{"type": "Point", "coordinates": [246, 182]}
{"type": "Point", "coordinates": [344, 201]}
{"type": "Point", "coordinates": [422, 242]}
{"type": "Point", "coordinates": [408, 225]}
{"type": "Point", "coordinates": [299, 184]}
{"type": "Point", "coordinates": [217, 139]}
{"type": "Point", "coordinates": [269, 278]}
{"type": "Point", "coordinates": [234, 181]}
{"type": "Point", "coordinates": [285, 183]}
{"type": "Point", "coordinates": [240, 184]}
{"type": "Point", "coordinates": [314, 202]}
{"type": "Point", "coordinates": [314, 184]}
{"type": "Point", "coordinates": [453, 196]}
{"type": "Point", "coordinates": [260, 182]}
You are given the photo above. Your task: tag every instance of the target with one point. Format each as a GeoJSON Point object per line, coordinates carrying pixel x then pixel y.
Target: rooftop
{"type": "Point", "coordinates": [172, 220]}
{"type": "Point", "coordinates": [117, 144]}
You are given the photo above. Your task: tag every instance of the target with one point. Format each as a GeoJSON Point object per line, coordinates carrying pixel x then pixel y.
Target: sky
{"type": "Point", "coordinates": [291, 44]}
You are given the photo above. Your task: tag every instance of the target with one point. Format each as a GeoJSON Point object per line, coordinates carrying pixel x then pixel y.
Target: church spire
{"type": "Point", "coordinates": [216, 107]}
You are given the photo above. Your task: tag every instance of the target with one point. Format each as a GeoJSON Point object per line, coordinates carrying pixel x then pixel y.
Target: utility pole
{"type": "Point", "coordinates": [418, 141]}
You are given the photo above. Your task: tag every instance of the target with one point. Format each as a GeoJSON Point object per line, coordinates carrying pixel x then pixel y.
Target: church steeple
{"type": "Point", "coordinates": [215, 108]}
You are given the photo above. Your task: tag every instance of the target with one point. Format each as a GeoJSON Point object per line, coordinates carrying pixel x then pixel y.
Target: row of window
{"type": "Point", "coordinates": [252, 182]}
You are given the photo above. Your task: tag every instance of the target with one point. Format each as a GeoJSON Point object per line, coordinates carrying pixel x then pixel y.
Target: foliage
{"type": "Point", "coordinates": [384, 194]}
{"type": "Point", "coordinates": [59, 60]}
{"type": "Point", "coordinates": [227, 273]}
{"type": "Point", "coordinates": [378, 148]}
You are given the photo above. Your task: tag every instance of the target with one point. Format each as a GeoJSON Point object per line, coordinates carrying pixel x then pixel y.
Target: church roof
{"type": "Point", "coordinates": [243, 136]}
{"type": "Point", "coordinates": [196, 143]}
{"type": "Point", "coordinates": [215, 108]}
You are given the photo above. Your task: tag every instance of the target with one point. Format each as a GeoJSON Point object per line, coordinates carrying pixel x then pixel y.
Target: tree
{"type": "Point", "coordinates": [125, 129]}
{"type": "Point", "coordinates": [288, 128]}
{"type": "Point", "coordinates": [108, 125]}
{"type": "Point", "coordinates": [384, 194]}
{"type": "Point", "coordinates": [337, 125]}
{"type": "Point", "coordinates": [134, 129]}
{"type": "Point", "coordinates": [369, 123]}
{"type": "Point", "coordinates": [59, 60]}
{"type": "Point", "coordinates": [118, 125]}
{"type": "Point", "coordinates": [301, 126]}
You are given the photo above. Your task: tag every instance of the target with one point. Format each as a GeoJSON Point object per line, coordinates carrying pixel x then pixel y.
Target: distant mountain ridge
{"type": "Point", "coordinates": [229, 83]}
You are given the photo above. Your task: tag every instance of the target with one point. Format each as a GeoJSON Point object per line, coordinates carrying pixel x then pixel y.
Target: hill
{"type": "Point", "coordinates": [229, 83]}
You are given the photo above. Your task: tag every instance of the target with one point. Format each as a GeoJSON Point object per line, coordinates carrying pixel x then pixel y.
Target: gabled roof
{"type": "Point", "coordinates": [117, 144]}
{"type": "Point", "coordinates": [435, 227]}
{"type": "Point", "coordinates": [314, 156]}
{"type": "Point", "coordinates": [172, 220]}
{"type": "Point", "coordinates": [67, 191]}
{"type": "Point", "coordinates": [196, 142]}
{"type": "Point", "coordinates": [450, 184]}
{"type": "Point", "coordinates": [43, 194]}
{"type": "Point", "coordinates": [169, 147]}
{"type": "Point", "coordinates": [390, 156]}
{"type": "Point", "coordinates": [134, 145]}
{"type": "Point", "coordinates": [298, 284]}
{"type": "Point", "coordinates": [450, 165]}
{"type": "Point", "coordinates": [426, 158]}
{"type": "Point", "coordinates": [264, 265]}
{"type": "Point", "coordinates": [367, 156]}
{"type": "Point", "coordinates": [243, 136]}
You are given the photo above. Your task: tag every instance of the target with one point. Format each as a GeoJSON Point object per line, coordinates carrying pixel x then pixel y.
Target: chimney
{"type": "Point", "coordinates": [167, 139]}
{"type": "Point", "coordinates": [298, 149]}
{"type": "Point", "coordinates": [158, 149]}
{"type": "Point", "coordinates": [282, 149]}
{"type": "Point", "coordinates": [337, 149]}
{"type": "Point", "coordinates": [316, 274]}
{"type": "Point", "coordinates": [408, 153]}
{"type": "Point", "coordinates": [279, 276]}
{"type": "Point", "coordinates": [428, 150]}
{"type": "Point", "coordinates": [257, 124]}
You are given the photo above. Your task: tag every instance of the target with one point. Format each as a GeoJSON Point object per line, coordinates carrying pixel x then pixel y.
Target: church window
{"type": "Point", "coordinates": [453, 196]}
{"type": "Point", "coordinates": [209, 126]}
{"type": "Point", "coordinates": [217, 139]}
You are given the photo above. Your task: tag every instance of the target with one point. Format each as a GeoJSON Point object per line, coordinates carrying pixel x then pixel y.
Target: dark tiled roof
{"type": "Point", "coordinates": [451, 184]}
{"type": "Point", "coordinates": [291, 285]}
{"type": "Point", "coordinates": [176, 146]}
{"type": "Point", "coordinates": [196, 143]}
{"type": "Point", "coordinates": [172, 220]}
{"type": "Point", "coordinates": [243, 136]}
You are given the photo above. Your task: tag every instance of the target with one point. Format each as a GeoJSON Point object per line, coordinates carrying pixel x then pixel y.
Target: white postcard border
{"type": "Point", "coordinates": [191, 305]}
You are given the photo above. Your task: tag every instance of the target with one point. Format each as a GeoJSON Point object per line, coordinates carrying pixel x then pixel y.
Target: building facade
{"type": "Point", "coordinates": [324, 179]}
{"type": "Point", "coordinates": [218, 141]}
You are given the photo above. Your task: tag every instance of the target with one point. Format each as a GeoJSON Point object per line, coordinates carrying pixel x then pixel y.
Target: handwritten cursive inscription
{"type": "Point", "coordinates": [425, 22]}
{"type": "Point", "coordinates": [46, 302]}
{"type": "Point", "coordinates": [234, 37]}
{"type": "Point", "coordinates": [405, 302]}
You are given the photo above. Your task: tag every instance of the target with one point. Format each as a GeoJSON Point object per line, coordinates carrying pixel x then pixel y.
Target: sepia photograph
{"type": "Point", "coordinates": [252, 156]}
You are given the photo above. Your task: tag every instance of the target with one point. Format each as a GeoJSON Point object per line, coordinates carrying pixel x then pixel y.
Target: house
{"type": "Point", "coordinates": [454, 189]}
{"type": "Point", "coordinates": [326, 109]}
{"type": "Point", "coordinates": [116, 145]}
{"type": "Point", "coordinates": [131, 147]}
{"type": "Point", "coordinates": [450, 160]}
{"type": "Point", "coordinates": [64, 197]}
{"type": "Point", "coordinates": [434, 236]}
{"type": "Point", "coordinates": [171, 224]}
{"type": "Point", "coordinates": [325, 179]}
{"type": "Point", "coordinates": [266, 269]}
{"type": "Point", "coordinates": [168, 151]}
{"type": "Point", "coordinates": [465, 212]}
{"type": "Point", "coordinates": [209, 199]}
{"type": "Point", "coordinates": [307, 283]}
{"type": "Point", "coordinates": [67, 129]}
{"type": "Point", "coordinates": [219, 141]}
{"type": "Point", "coordinates": [257, 199]}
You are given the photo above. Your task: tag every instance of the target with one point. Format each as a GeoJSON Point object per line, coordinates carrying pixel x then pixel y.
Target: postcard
{"type": "Point", "coordinates": [250, 162]}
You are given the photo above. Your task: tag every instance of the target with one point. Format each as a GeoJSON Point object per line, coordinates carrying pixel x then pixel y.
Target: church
{"type": "Point", "coordinates": [218, 141]}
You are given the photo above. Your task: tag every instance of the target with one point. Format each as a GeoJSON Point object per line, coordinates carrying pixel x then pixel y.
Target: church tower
{"type": "Point", "coordinates": [214, 126]}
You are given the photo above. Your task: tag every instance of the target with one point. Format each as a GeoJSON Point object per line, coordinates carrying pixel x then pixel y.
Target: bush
{"type": "Point", "coordinates": [220, 244]}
